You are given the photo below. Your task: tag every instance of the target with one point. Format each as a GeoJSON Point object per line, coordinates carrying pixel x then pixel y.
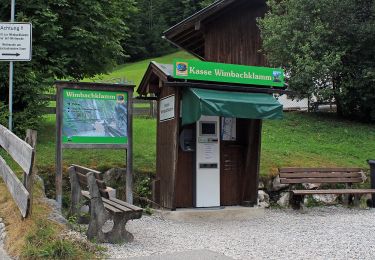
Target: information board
{"type": "Point", "coordinates": [95, 117]}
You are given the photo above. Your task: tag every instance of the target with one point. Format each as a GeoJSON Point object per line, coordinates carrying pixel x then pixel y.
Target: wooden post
{"type": "Point", "coordinates": [59, 114]}
{"type": "Point", "coordinates": [28, 179]}
{"type": "Point", "coordinates": [129, 153]}
{"type": "Point", "coordinates": [98, 215]}
{"type": "Point", "coordinates": [151, 108]}
{"type": "Point", "coordinates": [75, 191]}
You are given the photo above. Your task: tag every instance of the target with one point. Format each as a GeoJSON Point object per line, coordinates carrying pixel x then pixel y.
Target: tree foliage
{"type": "Point", "coordinates": [155, 16]}
{"type": "Point", "coordinates": [77, 39]}
{"type": "Point", "coordinates": [71, 40]}
{"type": "Point", "coordinates": [327, 49]}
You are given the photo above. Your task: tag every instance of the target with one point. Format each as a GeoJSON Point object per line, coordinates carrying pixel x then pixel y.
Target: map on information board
{"type": "Point", "coordinates": [95, 117]}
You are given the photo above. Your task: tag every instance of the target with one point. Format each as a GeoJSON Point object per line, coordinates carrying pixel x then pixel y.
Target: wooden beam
{"type": "Point", "coordinates": [216, 86]}
{"type": "Point", "coordinates": [15, 187]}
{"type": "Point", "coordinates": [320, 180]}
{"type": "Point", "coordinates": [295, 169]}
{"type": "Point", "coordinates": [94, 146]}
{"type": "Point", "coordinates": [20, 151]}
{"type": "Point", "coordinates": [129, 152]}
{"type": "Point", "coordinates": [333, 191]}
{"type": "Point", "coordinates": [84, 170]}
{"type": "Point", "coordinates": [59, 122]}
{"type": "Point", "coordinates": [31, 138]}
{"type": "Point", "coordinates": [195, 42]}
{"type": "Point", "coordinates": [290, 175]}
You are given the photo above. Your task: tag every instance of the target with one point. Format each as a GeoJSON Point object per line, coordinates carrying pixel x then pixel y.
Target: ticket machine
{"type": "Point", "coordinates": [207, 162]}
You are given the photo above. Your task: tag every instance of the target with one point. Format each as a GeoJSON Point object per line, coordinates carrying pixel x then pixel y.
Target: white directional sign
{"type": "Point", "coordinates": [15, 41]}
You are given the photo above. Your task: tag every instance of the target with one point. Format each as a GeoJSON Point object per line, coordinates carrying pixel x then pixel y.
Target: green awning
{"type": "Point", "coordinates": [198, 102]}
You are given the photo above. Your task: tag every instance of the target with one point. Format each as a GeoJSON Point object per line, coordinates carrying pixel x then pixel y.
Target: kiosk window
{"type": "Point", "coordinates": [208, 128]}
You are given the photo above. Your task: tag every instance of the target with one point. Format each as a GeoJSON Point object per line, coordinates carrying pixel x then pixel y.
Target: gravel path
{"type": "Point", "coordinates": [318, 233]}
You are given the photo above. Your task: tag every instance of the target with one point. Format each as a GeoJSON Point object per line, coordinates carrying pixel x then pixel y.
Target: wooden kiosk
{"type": "Point", "coordinates": [223, 32]}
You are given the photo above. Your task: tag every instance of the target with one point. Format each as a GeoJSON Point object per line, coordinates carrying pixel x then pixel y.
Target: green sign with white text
{"type": "Point", "coordinates": [228, 73]}
{"type": "Point", "coordinates": [95, 117]}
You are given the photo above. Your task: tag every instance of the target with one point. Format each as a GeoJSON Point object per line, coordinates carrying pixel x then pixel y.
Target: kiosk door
{"type": "Point", "coordinates": [207, 177]}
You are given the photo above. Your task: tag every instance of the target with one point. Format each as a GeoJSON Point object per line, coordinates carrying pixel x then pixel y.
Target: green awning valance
{"type": "Point", "coordinates": [198, 102]}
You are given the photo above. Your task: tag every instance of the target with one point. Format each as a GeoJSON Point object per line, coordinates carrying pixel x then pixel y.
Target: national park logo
{"type": "Point", "coordinates": [120, 98]}
{"type": "Point", "coordinates": [276, 76]}
{"type": "Point", "coordinates": [182, 69]}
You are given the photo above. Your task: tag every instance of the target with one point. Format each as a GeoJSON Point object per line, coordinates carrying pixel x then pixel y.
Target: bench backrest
{"type": "Point", "coordinates": [23, 155]}
{"type": "Point", "coordinates": [320, 175]}
{"type": "Point", "coordinates": [81, 173]}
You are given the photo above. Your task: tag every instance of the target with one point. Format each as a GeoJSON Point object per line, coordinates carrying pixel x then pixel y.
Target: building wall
{"type": "Point", "coordinates": [235, 38]}
{"type": "Point", "coordinates": [166, 154]}
{"type": "Point", "coordinates": [293, 104]}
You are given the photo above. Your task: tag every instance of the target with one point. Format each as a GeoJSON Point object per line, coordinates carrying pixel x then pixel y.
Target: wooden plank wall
{"type": "Point", "coordinates": [167, 152]}
{"type": "Point", "coordinates": [250, 177]}
{"type": "Point", "coordinates": [235, 38]}
{"type": "Point", "coordinates": [184, 177]}
{"type": "Point", "coordinates": [232, 160]}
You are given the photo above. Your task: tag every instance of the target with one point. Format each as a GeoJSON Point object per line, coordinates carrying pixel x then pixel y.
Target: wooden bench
{"type": "Point", "coordinates": [347, 176]}
{"type": "Point", "coordinates": [102, 206]}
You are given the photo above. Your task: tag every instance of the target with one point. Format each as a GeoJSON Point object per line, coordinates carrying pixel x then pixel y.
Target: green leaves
{"type": "Point", "coordinates": [71, 40]}
{"type": "Point", "coordinates": [326, 46]}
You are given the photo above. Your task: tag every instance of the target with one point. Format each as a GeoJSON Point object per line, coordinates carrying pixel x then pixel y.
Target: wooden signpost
{"type": "Point", "coordinates": [94, 115]}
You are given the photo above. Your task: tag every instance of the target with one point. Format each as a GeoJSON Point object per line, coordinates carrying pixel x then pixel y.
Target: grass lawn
{"type": "Point", "coordinates": [315, 140]}
{"type": "Point", "coordinates": [144, 149]}
{"type": "Point", "coordinates": [133, 72]}
{"type": "Point", "coordinates": [300, 139]}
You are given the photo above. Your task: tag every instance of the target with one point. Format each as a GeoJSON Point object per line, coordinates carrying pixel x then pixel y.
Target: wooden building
{"type": "Point", "coordinates": [224, 32]}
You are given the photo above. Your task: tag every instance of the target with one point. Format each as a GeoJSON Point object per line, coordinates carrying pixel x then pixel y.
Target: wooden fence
{"type": "Point", "coordinates": [23, 154]}
{"type": "Point", "coordinates": [146, 108]}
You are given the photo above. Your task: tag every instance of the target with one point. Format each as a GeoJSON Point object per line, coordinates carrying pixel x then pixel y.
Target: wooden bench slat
{"type": "Point", "coordinates": [135, 208]}
{"type": "Point", "coordinates": [117, 205]}
{"type": "Point", "coordinates": [86, 194]}
{"type": "Point", "coordinates": [333, 191]}
{"type": "Point", "coordinates": [111, 208]}
{"type": "Point", "coordinates": [295, 169]}
{"type": "Point", "coordinates": [320, 174]}
{"type": "Point", "coordinates": [82, 178]}
{"type": "Point", "coordinates": [320, 180]}
{"type": "Point", "coordinates": [84, 170]}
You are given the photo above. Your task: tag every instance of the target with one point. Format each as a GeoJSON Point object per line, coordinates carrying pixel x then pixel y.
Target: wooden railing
{"type": "Point", "coordinates": [23, 154]}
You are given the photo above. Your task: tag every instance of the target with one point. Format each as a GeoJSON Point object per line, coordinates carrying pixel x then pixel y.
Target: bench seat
{"type": "Point", "coordinates": [117, 206]}
{"type": "Point", "coordinates": [347, 176]}
{"type": "Point", "coordinates": [333, 191]}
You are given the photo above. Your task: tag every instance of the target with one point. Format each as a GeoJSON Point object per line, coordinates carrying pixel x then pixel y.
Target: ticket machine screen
{"type": "Point", "coordinates": [207, 128]}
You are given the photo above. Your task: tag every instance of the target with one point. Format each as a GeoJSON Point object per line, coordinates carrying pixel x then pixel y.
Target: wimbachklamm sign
{"type": "Point", "coordinates": [229, 73]}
